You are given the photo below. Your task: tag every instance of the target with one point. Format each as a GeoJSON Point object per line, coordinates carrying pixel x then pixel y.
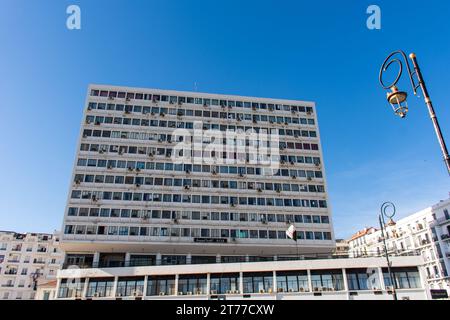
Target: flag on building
{"type": "Point", "coordinates": [292, 233]}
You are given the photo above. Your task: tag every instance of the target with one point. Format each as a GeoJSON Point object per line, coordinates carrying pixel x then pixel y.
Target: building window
{"type": "Point", "coordinates": [161, 285]}
{"type": "Point", "coordinates": [224, 283]}
{"type": "Point", "coordinates": [295, 281]}
{"type": "Point", "coordinates": [258, 282]}
{"type": "Point", "coordinates": [329, 280]}
{"type": "Point", "coordinates": [405, 278]}
{"type": "Point", "coordinates": [192, 284]}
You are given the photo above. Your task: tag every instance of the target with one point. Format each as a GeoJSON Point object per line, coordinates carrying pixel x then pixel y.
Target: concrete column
{"type": "Point", "coordinates": [144, 292]}
{"type": "Point", "coordinates": [344, 277]}
{"type": "Point", "coordinates": [58, 285]}
{"type": "Point", "coordinates": [380, 275]}
{"type": "Point", "coordinates": [241, 282]}
{"type": "Point", "coordinates": [218, 258]}
{"type": "Point", "coordinates": [344, 272]}
{"type": "Point", "coordinates": [188, 258]}
{"type": "Point", "coordinates": [127, 259]}
{"type": "Point", "coordinates": [274, 286]}
{"type": "Point", "coordinates": [208, 284]}
{"type": "Point", "coordinates": [309, 280]}
{"type": "Point", "coordinates": [176, 284]}
{"type": "Point", "coordinates": [114, 290]}
{"type": "Point", "coordinates": [85, 287]}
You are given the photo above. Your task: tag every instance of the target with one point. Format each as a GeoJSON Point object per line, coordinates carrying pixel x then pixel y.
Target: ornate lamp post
{"type": "Point", "coordinates": [397, 98]}
{"type": "Point", "coordinates": [382, 221]}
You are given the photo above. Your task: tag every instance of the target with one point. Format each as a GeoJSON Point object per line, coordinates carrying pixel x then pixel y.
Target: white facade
{"type": "Point", "coordinates": [129, 204]}
{"type": "Point", "coordinates": [338, 279]}
{"type": "Point", "coordinates": [26, 260]}
{"type": "Point", "coordinates": [426, 232]}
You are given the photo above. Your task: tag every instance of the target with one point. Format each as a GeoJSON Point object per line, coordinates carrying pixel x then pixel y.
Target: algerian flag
{"type": "Point", "coordinates": [292, 233]}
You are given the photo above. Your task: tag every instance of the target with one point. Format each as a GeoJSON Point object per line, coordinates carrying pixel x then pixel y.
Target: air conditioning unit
{"type": "Point", "coordinates": [188, 171]}
{"type": "Point", "coordinates": [138, 170]}
{"type": "Point", "coordinates": [214, 172]}
{"type": "Point", "coordinates": [127, 99]}
{"type": "Point", "coordinates": [309, 178]}
{"type": "Point", "coordinates": [162, 114]}
{"type": "Point", "coordinates": [264, 221]}
{"type": "Point", "coordinates": [186, 187]}
{"type": "Point", "coordinates": [259, 190]}
{"type": "Point", "coordinates": [130, 169]}
{"type": "Point", "coordinates": [294, 177]}
{"type": "Point", "coordinates": [137, 185]}
{"type": "Point", "coordinates": [110, 98]}
{"type": "Point", "coordinates": [151, 154]}
{"type": "Point", "coordinates": [77, 181]}
{"type": "Point", "coordinates": [145, 217]}
{"type": "Point", "coordinates": [233, 204]}
{"type": "Point", "coordinates": [110, 167]}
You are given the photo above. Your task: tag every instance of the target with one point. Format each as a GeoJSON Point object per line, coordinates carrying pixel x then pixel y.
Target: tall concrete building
{"type": "Point", "coordinates": [133, 201]}
{"type": "Point", "coordinates": [25, 261]}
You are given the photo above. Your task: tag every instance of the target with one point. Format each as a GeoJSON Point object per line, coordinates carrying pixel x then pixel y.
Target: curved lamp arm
{"type": "Point", "coordinates": [391, 59]}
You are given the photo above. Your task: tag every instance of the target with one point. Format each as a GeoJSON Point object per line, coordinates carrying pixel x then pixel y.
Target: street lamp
{"type": "Point", "coordinates": [383, 214]}
{"type": "Point", "coordinates": [397, 99]}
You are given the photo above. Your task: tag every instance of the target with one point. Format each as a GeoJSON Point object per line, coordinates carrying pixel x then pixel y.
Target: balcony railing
{"type": "Point", "coordinates": [142, 263]}
{"type": "Point", "coordinates": [12, 272]}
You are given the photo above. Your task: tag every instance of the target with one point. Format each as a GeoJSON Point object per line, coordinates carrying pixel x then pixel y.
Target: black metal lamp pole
{"type": "Point", "coordinates": [397, 98]}
{"type": "Point", "coordinates": [383, 213]}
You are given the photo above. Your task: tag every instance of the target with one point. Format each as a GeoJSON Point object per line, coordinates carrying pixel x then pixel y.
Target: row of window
{"type": "Point", "coordinates": [191, 232]}
{"type": "Point", "coordinates": [197, 183]}
{"type": "Point", "coordinates": [195, 215]}
{"type": "Point", "coordinates": [194, 198]}
{"type": "Point", "coordinates": [167, 137]}
{"type": "Point", "coordinates": [163, 112]}
{"type": "Point", "coordinates": [188, 168]}
{"type": "Point", "coordinates": [97, 120]}
{"type": "Point", "coordinates": [199, 101]}
{"type": "Point", "coordinates": [229, 283]}
{"type": "Point", "coordinates": [155, 151]}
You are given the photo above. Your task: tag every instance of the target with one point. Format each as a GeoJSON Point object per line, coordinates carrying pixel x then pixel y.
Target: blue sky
{"type": "Point", "coordinates": [309, 50]}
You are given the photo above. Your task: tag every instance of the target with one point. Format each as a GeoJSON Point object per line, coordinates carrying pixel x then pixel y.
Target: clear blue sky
{"type": "Point", "coordinates": [310, 50]}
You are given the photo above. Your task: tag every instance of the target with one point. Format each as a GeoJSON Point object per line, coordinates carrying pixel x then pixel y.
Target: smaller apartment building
{"type": "Point", "coordinates": [426, 232]}
{"type": "Point", "coordinates": [26, 260]}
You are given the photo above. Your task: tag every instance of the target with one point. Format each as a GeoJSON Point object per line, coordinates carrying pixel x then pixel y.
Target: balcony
{"type": "Point", "coordinates": [16, 249]}
{"type": "Point", "coordinates": [445, 236]}
{"type": "Point", "coordinates": [14, 260]}
{"type": "Point", "coordinates": [41, 250]}
{"type": "Point", "coordinates": [8, 285]}
{"type": "Point", "coordinates": [11, 272]}
{"type": "Point", "coordinates": [38, 261]}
